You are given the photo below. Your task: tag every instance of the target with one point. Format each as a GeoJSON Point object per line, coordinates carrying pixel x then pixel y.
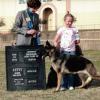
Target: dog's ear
{"type": "Point", "coordinates": [48, 43]}
{"type": "Point", "coordinates": [49, 46]}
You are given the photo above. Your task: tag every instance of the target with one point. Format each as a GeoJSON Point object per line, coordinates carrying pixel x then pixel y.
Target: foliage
{"type": "Point", "coordinates": [2, 22]}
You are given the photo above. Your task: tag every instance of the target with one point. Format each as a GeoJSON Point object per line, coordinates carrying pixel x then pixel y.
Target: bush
{"type": "Point", "coordinates": [2, 22]}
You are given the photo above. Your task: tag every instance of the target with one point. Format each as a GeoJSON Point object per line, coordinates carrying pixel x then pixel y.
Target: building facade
{"type": "Point", "coordinates": [52, 12]}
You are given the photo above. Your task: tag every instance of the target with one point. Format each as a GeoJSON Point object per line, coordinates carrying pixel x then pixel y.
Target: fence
{"type": "Point", "coordinates": [90, 39]}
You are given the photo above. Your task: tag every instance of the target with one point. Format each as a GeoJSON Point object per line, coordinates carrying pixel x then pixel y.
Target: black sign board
{"type": "Point", "coordinates": [25, 68]}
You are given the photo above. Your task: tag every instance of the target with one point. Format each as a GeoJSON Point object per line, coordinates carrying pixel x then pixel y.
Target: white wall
{"type": "Point", "coordinates": [8, 11]}
{"type": "Point", "coordinates": [87, 13]}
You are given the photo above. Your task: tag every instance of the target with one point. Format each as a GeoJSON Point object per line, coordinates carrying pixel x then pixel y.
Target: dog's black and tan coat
{"type": "Point", "coordinates": [74, 64]}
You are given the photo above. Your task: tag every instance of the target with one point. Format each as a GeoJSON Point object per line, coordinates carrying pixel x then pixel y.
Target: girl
{"type": "Point", "coordinates": [66, 38]}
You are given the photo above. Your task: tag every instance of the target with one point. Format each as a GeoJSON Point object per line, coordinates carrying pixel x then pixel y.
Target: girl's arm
{"type": "Point", "coordinates": [56, 40]}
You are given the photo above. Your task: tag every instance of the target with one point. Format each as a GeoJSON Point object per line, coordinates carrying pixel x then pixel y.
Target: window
{"type": "Point", "coordinates": [22, 1]}
{"type": "Point", "coordinates": [45, 0]}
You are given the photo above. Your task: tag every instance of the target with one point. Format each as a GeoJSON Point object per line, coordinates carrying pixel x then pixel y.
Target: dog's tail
{"type": "Point", "coordinates": [93, 71]}
{"type": "Point", "coordinates": [96, 77]}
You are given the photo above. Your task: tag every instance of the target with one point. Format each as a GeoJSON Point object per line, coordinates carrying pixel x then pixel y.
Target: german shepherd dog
{"type": "Point", "coordinates": [74, 64]}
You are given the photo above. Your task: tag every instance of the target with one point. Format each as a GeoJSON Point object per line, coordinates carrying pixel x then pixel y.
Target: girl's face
{"type": "Point", "coordinates": [68, 21]}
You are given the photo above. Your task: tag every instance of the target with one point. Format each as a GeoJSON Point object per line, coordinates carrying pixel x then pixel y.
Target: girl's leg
{"type": "Point", "coordinates": [68, 80]}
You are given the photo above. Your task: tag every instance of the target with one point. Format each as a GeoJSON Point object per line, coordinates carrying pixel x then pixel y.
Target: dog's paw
{"type": "Point", "coordinates": [56, 91]}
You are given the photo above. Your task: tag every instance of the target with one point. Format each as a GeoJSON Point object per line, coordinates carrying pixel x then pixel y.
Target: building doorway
{"type": "Point", "coordinates": [48, 18]}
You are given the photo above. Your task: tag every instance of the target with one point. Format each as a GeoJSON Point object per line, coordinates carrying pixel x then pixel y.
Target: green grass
{"type": "Point", "coordinates": [92, 93]}
{"type": "Point", "coordinates": [94, 56]}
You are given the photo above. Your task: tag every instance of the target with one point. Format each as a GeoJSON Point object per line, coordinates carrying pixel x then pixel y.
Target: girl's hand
{"type": "Point", "coordinates": [77, 42]}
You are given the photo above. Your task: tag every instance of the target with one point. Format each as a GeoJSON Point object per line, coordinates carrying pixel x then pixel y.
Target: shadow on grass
{"type": "Point", "coordinates": [93, 84]}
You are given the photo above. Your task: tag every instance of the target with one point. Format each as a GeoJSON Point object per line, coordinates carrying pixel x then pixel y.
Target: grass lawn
{"type": "Point", "coordinates": [92, 93]}
{"type": "Point", "coordinates": [94, 56]}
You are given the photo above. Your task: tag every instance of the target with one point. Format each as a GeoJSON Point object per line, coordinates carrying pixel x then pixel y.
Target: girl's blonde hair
{"type": "Point", "coordinates": [70, 15]}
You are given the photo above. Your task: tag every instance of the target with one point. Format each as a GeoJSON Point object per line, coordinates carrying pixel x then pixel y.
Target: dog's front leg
{"type": "Point", "coordinates": [59, 78]}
